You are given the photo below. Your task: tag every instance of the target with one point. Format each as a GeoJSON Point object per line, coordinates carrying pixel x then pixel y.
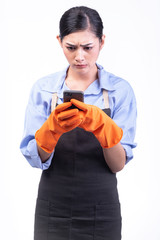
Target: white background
{"type": "Point", "coordinates": [28, 51]}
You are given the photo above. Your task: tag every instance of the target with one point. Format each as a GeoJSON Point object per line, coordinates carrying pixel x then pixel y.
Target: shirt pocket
{"type": "Point", "coordinates": [108, 222]}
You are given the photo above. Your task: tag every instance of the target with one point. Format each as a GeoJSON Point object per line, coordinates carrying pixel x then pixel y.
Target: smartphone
{"type": "Point", "coordinates": [73, 94]}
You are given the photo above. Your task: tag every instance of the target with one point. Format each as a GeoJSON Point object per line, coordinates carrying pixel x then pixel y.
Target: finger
{"type": "Point", "coordinates": [67, 114]}
{"type": "Point", "coordinates": [70, 122]}
{"type": "Point", "coordinates": [62, 107]}
{"type": "Point", "coordinates": [73, 126]}
{"type": "Point", "coordinates": [79, 104]}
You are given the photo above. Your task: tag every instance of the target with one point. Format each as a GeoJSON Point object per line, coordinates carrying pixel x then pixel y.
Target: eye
{"type": "Point", "coordinates": [88, 48]}
{"type": "Point", "coordinates": [70, 48]}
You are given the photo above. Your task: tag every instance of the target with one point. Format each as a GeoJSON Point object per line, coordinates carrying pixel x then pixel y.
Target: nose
{"type": "Point", "coordinates": [79, 57]}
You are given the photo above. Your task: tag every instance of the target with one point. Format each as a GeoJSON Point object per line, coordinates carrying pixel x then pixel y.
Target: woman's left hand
{"type": "Point", "coordinates": [99, 123]}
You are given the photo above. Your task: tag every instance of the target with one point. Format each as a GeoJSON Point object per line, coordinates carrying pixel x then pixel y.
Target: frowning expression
{"type": "Point", "coordinates": [81, 50]}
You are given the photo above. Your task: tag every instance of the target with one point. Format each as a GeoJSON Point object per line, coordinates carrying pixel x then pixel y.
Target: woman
{"type": "Point", "coordinates": [80, 149]}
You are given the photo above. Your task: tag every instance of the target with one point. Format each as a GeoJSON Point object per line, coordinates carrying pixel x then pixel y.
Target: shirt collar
{"type": "Point", "coordinates": [103, 82]}
{"type": "Point", "coordinates": [54, 82]}
{"type": "Point", "coordinates": [104, 79]}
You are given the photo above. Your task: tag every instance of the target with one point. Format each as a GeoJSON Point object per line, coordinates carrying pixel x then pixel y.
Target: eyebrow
{"type": "Point", "coordinates": [82, 45]}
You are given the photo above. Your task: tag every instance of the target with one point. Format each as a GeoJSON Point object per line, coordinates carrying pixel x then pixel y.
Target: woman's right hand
{"type": "Point", "coordinates": [61, 120]}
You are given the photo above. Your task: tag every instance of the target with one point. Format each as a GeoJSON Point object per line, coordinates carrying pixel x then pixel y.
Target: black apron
{"type": "Point", "coordinates": [77, 197]}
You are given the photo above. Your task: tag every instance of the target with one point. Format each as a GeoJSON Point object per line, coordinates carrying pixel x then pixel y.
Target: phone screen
{"type": "Point", "coordinates": [73, 94]}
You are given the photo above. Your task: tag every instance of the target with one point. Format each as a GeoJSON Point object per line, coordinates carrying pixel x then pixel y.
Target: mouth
{"type": "Point", "coordinates": [80, 66]}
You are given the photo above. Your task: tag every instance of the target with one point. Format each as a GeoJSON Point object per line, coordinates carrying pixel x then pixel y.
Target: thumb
{"type": "Point", "coordinates": [79, 104]}
{"type": "Point", "coordinates": [62, 107]}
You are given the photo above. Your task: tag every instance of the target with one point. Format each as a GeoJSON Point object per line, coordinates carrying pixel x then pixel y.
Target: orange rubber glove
{"type": "Point", "coordinates": [61, 120]}
{"type": "Point", "coordinates": [96, 121]}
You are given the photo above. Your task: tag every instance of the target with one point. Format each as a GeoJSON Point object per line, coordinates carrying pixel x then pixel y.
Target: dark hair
{"type": "Point", "coordinates": [78, 19]}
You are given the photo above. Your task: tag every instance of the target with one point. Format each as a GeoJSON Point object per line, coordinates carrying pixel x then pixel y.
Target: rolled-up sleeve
{"type": "Point", "coordinates": [125, 114]}
{"type": "Point", "coordinates": [37, 112]}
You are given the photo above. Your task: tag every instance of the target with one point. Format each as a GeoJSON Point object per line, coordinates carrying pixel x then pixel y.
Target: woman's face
{"type": "Point", "coordinates": [81, 49]}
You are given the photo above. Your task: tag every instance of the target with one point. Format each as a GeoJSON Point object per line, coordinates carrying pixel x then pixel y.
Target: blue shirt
{"type": "Point", "coordinates": [121, 100]}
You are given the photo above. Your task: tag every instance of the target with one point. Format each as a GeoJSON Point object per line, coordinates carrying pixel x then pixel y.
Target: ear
{"type": "Point", "coordinates": [102, 41]}
{"type": "Point", "coordinates": [59, 40]}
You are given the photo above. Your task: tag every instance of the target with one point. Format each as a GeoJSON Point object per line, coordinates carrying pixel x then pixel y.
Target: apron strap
{"type": "Point", "coordinates": [105, 96]}
{"type": "Point", "coordinates": [54, 101]}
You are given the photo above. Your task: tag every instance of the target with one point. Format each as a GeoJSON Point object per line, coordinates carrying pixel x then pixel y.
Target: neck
{"type": "Point", "coordinates": [80, 80]}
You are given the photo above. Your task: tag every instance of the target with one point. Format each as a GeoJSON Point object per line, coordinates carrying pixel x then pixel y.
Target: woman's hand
{"type": "Point", "coordinates": [61, 120]}
{"type": "Point", "coordinates": [106, 131]}
{"type": "Point", "coordinates": [96, 121]}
